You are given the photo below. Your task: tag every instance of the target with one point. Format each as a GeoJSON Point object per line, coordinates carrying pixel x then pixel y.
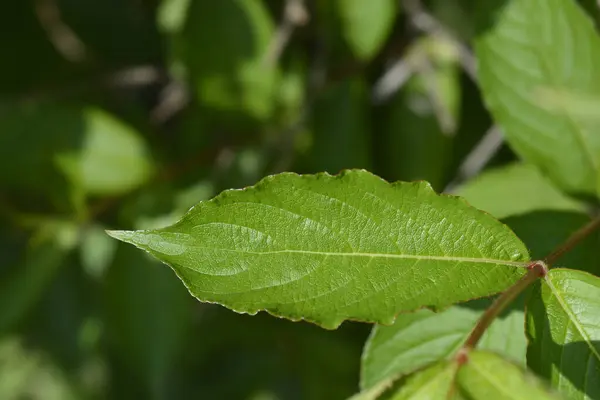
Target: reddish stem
{"type": "Point", "coordinates": [573, 240]}
{"type": "Point", "coordinates": [535, 270]}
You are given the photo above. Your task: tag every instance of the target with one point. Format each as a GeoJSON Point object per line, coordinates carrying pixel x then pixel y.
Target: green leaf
{"type": "Point", "coordinates": [171, 15]}
{"type": "Point", "coordinates": [515, 189]}
{"type": "Point", "coordinates": [487, 376]}
{"type": "Point", "coordinates": [96, 251]}
{"type": "Point", "coordinates": [558, 50]}
{"type": "Point", "coordinates": [564, 332]}
{"type": "Point", "coordinates": [435, 382]}
{"type": "Point", "coordinates": [375, 391]}
{"type": "Point", "coordinates": [112, 160]}
{"type": "Point", "coordinates": [230, 74]}
{"type": "Point", "coordinates": [366, 25]}
{"type": "Point", "coordinates": [329, 248]}
{"type": "Point", "coordinates": [418, 339]}
{"type": "Point", "coordinates": [46, 142]}
{"type": "Point", "coordinates": [29, 374]}
{"type": "Point", "coordinates": [584, 106]}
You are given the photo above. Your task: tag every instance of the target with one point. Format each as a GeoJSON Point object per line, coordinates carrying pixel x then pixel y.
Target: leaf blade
{"type": "Point", "coordinates": [478, 378]}
{"type": "Point", "coordinates": [544, 52]}
{"type": "Point", "coordinates": [365, 26]}
{"type": "Point", "coordinates": [305, 247]}
{"type": "Point", "coordinates": [494, 191]}
{"type": "Point", "coordinates": [434, 382]}
{"type": "Point", "coordinates": [565, 334]}
{"type": "Point", "coordinates": [423, 337]}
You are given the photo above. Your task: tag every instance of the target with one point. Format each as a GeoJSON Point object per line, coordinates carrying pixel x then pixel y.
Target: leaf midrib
{"type": "Point", "coordinates": [572, 318]}
{"type": "Point", "coordinates": [521, 264]}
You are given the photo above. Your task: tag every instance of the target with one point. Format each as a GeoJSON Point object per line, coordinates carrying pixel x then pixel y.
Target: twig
{"type": "Point", "coordinates": [60, 34]}
{"type": "Point", "coordinates": [427, 23]}
{"type": "Point", "coordinates": [573, 240]}
{"type": "Point", "coordinates": [294, 15]}
{"type": "Point", "coordinates": [173, 98]}
{"type": "Point", "coordinates": [535, 270]}
{"type": "Point", "coordinates": [478, 158]}
{"type": "Point", "coordinates": [317, 77]}
{"type": "Point", "coordinates": [444, 116]}
{"type": "Point", "coordinates": [135, 76]}
{"type": "Point", "coordinates": [392, 80]}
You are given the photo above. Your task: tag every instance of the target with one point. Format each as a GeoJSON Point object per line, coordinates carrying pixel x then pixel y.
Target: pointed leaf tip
{"type": "Point", "coordinates": [124, 236]}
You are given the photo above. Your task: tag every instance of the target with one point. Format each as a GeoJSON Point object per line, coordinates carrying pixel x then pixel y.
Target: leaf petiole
{"type": "Point", "coordinates": [535, 270]}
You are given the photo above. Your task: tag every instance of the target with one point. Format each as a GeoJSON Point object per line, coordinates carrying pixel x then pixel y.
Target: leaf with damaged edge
{"type": "Point", "coordinates": [564, 332]}
{"type": "Point", "coordinates": [331, 248]}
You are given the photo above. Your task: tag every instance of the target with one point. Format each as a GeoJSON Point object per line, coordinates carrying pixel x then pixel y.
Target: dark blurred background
{"type": "Point", "coordinates": [122, 114]}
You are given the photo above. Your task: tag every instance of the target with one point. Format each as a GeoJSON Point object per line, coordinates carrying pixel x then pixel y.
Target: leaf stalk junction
{"type": "Point", "coordinates": [535, 270]}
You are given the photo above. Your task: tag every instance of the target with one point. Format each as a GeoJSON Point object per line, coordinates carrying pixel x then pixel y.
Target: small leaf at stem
{"type": "Point", "coordinates": [420, 338]}
{"type": "Point", "coordinates": [487, 376]}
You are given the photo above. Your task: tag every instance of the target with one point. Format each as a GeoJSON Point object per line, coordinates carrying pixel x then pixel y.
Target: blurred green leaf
{"type": "Point", "coordinates": [26, 374]}
{"type": "Point", "coordinates": [564, 332]}
{"type": "Point", "coordinates": [257, 248]}
{"type": "Point", "coordinates": [171, 15]}
{"type": "Point", "coordinates": [558, 49]}
{"type": "Point", "coordinates": [434, 382]}
{"type": "Point", "coordinates": [424, 337]}
{"type": "Point", "coordinates": [486, 376]}
{"type": "Point", "coordinates": [580, 105]}
{"type": "Point", "coordinates": [148, 319]}
{"type": "Point", "coordinates": [377, 391]}
{"type": "Point", "coordinates": [515, 189]}
{"type": "Point", "coordinates": [366, 25]}
{"type": "Point", "coordinates": [113, 159]}
{"type": "Point", "coordinates": [223, 45]}
{"type": "Point", "coordinates": [340, 129]}
{"type": "Point", "coordinates": [96, 251]}
{"type": "Point", "coordinates": [99, 153]}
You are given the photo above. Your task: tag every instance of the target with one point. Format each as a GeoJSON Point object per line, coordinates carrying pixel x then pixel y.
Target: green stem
{"type": "Point", "coordinates": [535, 270]}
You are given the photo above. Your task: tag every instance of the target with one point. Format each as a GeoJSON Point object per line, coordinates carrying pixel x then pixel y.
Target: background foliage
{"type": "Point", "coordinates": [122, 114]}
